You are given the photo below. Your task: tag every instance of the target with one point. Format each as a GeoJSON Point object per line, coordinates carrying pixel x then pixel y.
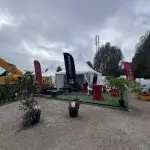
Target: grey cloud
{"type": "Point", "coordinates": [66, 17]}
{"type": "Point", "coordinates": [50, 27]}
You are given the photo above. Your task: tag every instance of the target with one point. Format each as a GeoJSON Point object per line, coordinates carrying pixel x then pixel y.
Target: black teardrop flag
{"type": "Point", "coordinates": [70, 69]}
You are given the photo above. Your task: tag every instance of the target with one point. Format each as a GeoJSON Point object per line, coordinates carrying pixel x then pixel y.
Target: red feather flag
{"type": "Point", "coordinates": [38, 72]}
{"type": "Point", "coordinates": [128, 70]}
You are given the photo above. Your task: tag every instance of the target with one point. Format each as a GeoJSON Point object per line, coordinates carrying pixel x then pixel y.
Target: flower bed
{"type": "Point", "coordinates": [144, 96]}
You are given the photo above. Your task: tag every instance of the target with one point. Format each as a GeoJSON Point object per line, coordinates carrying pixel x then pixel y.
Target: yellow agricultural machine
{"type": "Point", "coordinates": [46, 83]}
{"type": "Point", "coordinates": [11, 75]}
{"type": "Point", "coordinates": [47, 80]}
{"type": "Point", "coordinates": [10, 79]}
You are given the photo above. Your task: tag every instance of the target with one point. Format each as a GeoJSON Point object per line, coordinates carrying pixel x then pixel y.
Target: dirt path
{"type": "Point", "coordinates": [96, 128]}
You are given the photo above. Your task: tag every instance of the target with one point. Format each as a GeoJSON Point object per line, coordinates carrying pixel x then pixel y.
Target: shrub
{"type": "Point", "coordinates": [32, 111]}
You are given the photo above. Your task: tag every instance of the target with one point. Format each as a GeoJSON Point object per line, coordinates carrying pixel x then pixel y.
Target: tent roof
{"type": "Point", "coordinates": [79, 72]}
{"type": "Point", "coordinates": [81, 67]}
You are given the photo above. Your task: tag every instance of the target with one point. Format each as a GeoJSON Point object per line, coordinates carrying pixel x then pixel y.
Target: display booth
{"type": "Point", "coordinates": [84, 74]}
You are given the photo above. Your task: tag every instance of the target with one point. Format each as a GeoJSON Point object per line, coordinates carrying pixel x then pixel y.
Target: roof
{"type": "Point", "coordinates": [79, 72]}
{"type": "Point", "coordinates": [81, 67]}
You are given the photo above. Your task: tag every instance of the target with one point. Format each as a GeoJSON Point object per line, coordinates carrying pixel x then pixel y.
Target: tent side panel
{"type": "Point", "coordinates": [59, 81]}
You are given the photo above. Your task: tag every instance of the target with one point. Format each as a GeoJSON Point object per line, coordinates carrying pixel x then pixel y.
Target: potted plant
{"type": "Point", "coordinates": [30, 106]}
{"type": "Point", "coordinates": [32, 111]}
{"type": "Point", "coordinates": [73, 108]}
{"type": "Point", "coordinates": [121, 84]}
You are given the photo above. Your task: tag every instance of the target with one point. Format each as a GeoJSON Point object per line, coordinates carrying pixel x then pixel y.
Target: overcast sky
{"type": "Point", "coordinates": [44, 29]}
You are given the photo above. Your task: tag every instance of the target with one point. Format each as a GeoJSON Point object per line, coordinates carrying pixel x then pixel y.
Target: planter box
{"type": "Point", "coordinates": [36, 117]}
{"type": "Point", "coordinates": [144, 96]}
{"type": "Point", "coordinates": [73, 112]}
{"type": "Point", "coordinates": [31, 117]}
{"type": "Point", "coordinates": [122, 103]}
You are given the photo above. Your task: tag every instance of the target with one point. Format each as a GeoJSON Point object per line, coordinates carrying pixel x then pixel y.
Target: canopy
{"type": "Point", "coordinates": [81, 67]}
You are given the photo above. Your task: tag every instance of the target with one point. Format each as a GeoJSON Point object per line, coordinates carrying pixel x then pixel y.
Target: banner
{"type": "Point", "coordinates": [38, 72]}
{"type": "Point", "coordinates": [128, 70]}
{"type": "Point", "coordinates": [70, 69]}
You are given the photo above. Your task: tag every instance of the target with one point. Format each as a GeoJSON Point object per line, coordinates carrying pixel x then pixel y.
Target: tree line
{"type": "Point", "coordinates": [107, 58]}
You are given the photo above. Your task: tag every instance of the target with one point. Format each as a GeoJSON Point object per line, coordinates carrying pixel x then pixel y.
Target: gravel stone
{"type": "Point", "coordinates": [96, 128]}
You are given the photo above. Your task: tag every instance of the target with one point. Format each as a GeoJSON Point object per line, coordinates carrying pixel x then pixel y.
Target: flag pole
{"type": "Point", "coordinates": [76, 90]}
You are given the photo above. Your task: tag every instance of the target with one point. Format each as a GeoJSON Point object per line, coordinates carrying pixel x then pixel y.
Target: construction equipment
{"type": "Point", "coordinates": [46, 83]}
{"type": "Point", "coordinates": [47, 80]}
{"type": "Point", "coordinates": [11, 75]}
{"type": "Point", "coordinates": [10, 80]}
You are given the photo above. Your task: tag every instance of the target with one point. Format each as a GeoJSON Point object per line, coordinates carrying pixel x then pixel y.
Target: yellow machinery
{"type": "Point", "coordinates": [46, 83]}
{"type": "Point", "coordinates": [11, 75]}
{"type": "Point", "coordinates": [47, 80]}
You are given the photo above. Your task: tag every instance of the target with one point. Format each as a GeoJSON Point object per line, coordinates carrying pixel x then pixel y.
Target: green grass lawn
{"type": "Point", "coordinates": [108, 99]}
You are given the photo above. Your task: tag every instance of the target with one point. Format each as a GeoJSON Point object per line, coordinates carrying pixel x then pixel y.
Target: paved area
{"type": "Point", "coordinates": [96, 128]}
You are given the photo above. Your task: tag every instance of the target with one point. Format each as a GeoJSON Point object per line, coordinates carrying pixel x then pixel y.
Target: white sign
{"type": "Point", "coordinates": [99, 80]}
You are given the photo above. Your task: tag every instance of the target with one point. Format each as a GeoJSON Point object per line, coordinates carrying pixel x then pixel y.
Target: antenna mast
{"type": "Point", "coordinates": [97, 42]}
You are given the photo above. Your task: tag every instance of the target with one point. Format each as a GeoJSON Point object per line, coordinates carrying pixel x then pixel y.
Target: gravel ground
{"type": "Point", "coordinates": [96, 128]}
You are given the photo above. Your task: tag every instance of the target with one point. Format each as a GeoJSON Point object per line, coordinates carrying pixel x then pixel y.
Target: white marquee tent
{"type": "Point", "coordinates": [81, 68]}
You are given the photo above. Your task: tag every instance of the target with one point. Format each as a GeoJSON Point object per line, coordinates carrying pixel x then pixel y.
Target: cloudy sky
{"type": "Point", "coordinates": [44, 29]}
